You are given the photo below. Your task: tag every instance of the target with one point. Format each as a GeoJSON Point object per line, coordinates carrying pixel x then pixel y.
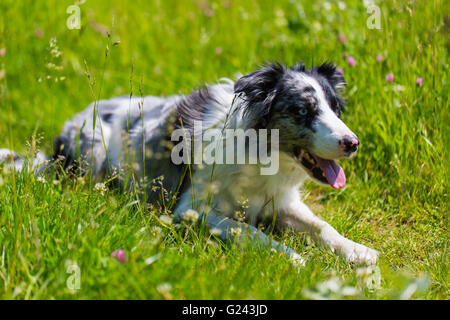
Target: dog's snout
{"type": "Point", "coordinates": [349, 144]}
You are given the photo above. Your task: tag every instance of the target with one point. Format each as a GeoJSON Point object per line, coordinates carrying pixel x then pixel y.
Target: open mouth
{"type": "Point", "coordinates": [326, 171]}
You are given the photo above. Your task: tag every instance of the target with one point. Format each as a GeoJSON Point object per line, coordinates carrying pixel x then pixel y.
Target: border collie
{"type": "Point", "coordinates": [132, 134]}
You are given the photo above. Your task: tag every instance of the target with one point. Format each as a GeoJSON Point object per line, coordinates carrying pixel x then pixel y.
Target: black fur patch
{"type": "Point", "coordinates": [259, 88]}
{"type": "Point", "coordinates": [331, 81]}
{"type": "Point", "coordinates": [299, 67]}
{"type": "Point", "coordinates": [193, 107]}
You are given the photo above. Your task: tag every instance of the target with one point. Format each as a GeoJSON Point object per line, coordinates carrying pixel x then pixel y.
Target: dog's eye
{"type": "Point", "coordinates": [303, 111]}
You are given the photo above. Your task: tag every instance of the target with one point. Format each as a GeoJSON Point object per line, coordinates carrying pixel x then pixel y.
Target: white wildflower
{"type": "Point", "coordinates": [165, 219]}
{"type": "Point", "coordinates": [190, 216]}
{"type": "Point", "coordinates": [342, 5]}
{"type": "Point", "coordinates": [164, 290]}
{"type": "Point", "coordinates": [236, 231]}
{"type": "Point", "coordinates": [332, 285]}
{"type": "Point", "coordinates": [101, 188]}
{"type": "Point", "coordinates": [297, 260]}
{"type": "Point", "coordinates": [142, 230]}
{"type": "Point", "coordinates": [136, 166]}
{"type": "Point", "coordinates": [369, 277]}
{"type": "Point", "coordinates": [332, 288]}
{"type": "Point", "coordinates": [41, 180]}
{"type": "Point", "coordinates": [211, 243]}
{"type": "Point", "coordinates": [156, 231]}
{"type": "Point", "coordinates": [349, 291]}
{"type": "Point", "coordinates": [152, 259]}
{"type": "Point", "coordinates": [215, 232]}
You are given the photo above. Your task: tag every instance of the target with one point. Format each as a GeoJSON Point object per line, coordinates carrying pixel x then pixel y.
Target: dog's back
{"type": "Point", "coordinates": [135, 134]}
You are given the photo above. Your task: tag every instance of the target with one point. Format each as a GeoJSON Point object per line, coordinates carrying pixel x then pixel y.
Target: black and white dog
{"type": "Point", "coordinates": [135, 135]}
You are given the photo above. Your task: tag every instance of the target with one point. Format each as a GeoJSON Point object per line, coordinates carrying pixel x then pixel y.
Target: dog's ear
{"type": "Point", "coordinates": [259, 88]}
{"type": "Point", "coordinates": [299, 67]}
{"type": "Point", "coordinates": [332, 74]}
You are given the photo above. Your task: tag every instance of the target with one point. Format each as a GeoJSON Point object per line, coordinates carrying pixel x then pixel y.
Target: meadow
{"type": "Point", "coordinates": [59, 238]}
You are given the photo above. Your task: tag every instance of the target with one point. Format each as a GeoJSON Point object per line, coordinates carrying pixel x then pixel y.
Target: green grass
{"type": "Point", "coordinates": [396, 199]}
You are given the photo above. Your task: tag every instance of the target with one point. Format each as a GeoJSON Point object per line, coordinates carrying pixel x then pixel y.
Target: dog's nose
{"type": "Point", "coordinates": [349, 144]}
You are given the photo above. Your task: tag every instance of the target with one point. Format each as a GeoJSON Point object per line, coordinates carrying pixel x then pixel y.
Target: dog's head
{"type": "Point", "coordinates": [304, 104]}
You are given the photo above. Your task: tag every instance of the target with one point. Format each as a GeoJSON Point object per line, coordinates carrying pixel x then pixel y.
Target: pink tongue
{"type": "Point", "coordinates": [334, 173]}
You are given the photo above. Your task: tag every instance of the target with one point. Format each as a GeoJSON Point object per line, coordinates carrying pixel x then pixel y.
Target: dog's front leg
{"type": "Point", "coordinates": [232, 231]}
{"type": "Point", "coordinates": [296, 215]}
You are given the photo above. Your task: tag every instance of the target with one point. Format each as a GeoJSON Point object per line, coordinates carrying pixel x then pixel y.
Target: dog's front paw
{"type": "Point", "coordinates": [359, 254]}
